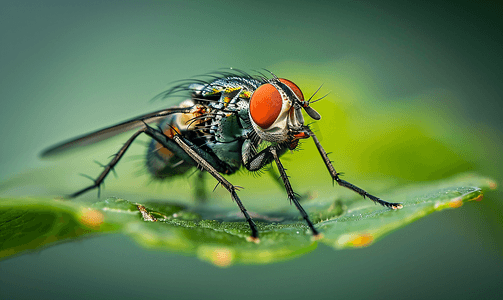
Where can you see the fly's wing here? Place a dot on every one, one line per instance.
(184, 85)
(103, 134)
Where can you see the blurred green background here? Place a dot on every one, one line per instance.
(415, 95)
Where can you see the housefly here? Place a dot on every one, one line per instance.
(231, 121)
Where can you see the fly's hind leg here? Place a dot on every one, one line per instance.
(109, 167)
(169, 144)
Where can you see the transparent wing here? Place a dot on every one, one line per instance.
(103, 134)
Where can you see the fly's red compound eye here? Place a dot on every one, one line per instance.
(294, 88)
(265, 105)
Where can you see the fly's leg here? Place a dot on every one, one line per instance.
(291, 194)
(265, 157)
(200, 187)
(205, 162)
(109, 167)
(275, 177)
(169, 144)
(184, 149)
(343, 183)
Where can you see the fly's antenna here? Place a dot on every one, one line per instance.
(314, 101)
(309, 100)
(308, 109)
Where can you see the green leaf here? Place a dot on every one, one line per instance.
(219, 235)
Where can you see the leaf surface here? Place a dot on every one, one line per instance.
(218, 235)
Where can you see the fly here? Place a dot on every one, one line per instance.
(219, 129)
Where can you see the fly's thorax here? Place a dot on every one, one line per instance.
(275, 112)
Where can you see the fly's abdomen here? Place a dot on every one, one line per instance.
(163, 162)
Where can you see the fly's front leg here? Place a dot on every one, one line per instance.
(343, 183)
(291, 195)
(265, 157)
(203, 160)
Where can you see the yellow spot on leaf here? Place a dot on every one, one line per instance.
(493, 185)
(221, 257)
(479, 197)
(92, 218)
(312, 195)
(362, 240)
(317, 237)
(455, 203)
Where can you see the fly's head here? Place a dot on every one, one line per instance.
(276, 112)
